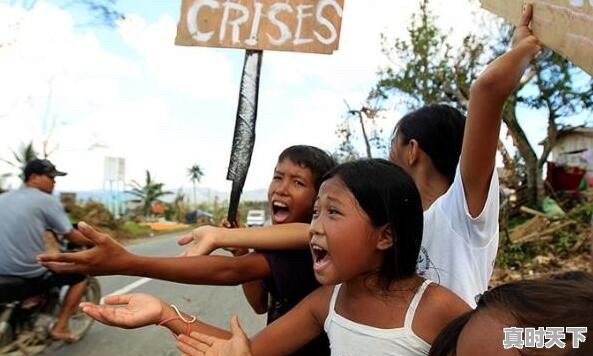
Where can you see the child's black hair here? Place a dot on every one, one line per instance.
(317, 160)
(389, 197)
(438, 128)
(565, 300)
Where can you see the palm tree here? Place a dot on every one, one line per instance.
(25, 154)
(3, 176)
(148, 193)
(195, 174)
(179, 206)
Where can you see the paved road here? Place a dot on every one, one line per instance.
(214, 305)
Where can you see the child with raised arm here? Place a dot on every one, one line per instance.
(365, 238)
(452, 162)
(274, 281)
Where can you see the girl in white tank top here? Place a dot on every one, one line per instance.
(352, 338)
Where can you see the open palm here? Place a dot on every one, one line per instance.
(203, 239)
(126, 311)
(200, 344)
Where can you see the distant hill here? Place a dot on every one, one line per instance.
(202, 195)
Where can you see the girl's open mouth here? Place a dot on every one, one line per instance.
(320, 257)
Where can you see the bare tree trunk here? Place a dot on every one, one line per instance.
(549, 142)
(364, 134)
(195, 198)
(533, 169)
(508, 161)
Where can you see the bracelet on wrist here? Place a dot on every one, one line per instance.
(179, 316)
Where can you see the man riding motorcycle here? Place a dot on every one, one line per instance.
(24, 216)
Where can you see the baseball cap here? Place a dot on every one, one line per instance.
(41, 166)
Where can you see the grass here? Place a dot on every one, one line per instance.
(135, 230)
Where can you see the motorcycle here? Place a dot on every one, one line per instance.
(27, 315)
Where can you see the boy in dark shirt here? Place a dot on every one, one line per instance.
(273, 281)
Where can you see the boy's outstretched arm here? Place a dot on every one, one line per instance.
(276, 237)
(487, 98)
(109, 257)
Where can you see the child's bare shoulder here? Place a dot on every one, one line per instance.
(440, 300)
(438, 307)
(319, 301)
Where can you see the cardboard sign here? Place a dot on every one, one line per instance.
(284, 25)
(566, 26)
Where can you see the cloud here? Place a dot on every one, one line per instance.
(134, 94)
(203, 73)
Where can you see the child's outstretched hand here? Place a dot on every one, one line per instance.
(201, 344)
(106, 257)
(523, 36)
(127, 311)
(236, 251)
(203, 238)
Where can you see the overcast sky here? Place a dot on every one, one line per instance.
(129, 92)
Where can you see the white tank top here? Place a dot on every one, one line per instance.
(348, 338)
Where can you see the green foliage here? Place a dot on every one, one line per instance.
(24, 154)
(569, 241)
(219, 211)
(346, 151)
(515, 256)
(179, 208)
(562, 88)
(583, 213)
(195, 174)
(424, 68)
(148, 193)
(92, 212)
(563, 240)
(3, 176)
(134, 229)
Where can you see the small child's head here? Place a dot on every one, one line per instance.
(566, 301)
(367, 220)
(435, 129)
(296, 179)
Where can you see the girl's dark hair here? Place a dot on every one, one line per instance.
(445, 343)
(390, 198)
(536, 303)
(313, 158)
(578, 276)
(438, 128)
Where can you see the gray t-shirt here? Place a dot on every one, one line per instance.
(24, 215)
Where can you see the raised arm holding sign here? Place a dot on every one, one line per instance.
(566, 26)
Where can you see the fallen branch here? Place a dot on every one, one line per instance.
(544, 235)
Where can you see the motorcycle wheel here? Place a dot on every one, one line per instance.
(80, 323)
(6, 336)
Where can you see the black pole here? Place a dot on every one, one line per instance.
(244, 135)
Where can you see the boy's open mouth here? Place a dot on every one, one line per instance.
(280, 211)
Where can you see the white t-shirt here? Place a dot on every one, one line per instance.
(458, 251)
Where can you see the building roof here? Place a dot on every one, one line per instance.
(572, 130)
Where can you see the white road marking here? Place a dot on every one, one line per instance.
(130, 287)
